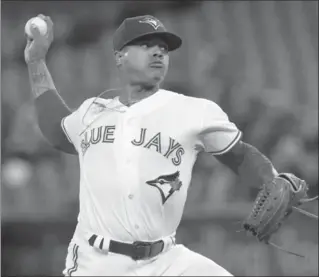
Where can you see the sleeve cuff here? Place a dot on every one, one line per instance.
(65, 131)
(230, 145)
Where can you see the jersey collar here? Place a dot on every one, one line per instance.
(147, 104)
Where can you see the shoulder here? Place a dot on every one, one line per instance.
(92, 104)
(194, 102)
(91, 101)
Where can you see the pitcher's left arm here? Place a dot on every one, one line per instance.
(221, 137)
(248, 163)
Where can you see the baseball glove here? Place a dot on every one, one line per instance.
(274, 203)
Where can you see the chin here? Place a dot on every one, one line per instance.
(157, 78)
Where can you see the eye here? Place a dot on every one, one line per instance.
(164, 48)
(144, 44)
(161, 181)
(148, 44)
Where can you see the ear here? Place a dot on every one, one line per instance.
(119, 55)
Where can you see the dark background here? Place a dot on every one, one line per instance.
(257, 60)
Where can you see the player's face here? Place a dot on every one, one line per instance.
(146, 61)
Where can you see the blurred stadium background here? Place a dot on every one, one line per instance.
(258, 60)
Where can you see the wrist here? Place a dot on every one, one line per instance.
(256, 166)
(40, 77)
(35, 62)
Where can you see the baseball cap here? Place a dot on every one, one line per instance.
(133, 28)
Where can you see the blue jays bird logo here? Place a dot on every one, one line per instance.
(166, 184)
(151, 21)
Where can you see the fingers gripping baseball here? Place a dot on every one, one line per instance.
(49, 23)
(38, 43)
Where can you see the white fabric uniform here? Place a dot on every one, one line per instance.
(135, 166)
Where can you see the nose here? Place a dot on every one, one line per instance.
(158, 53)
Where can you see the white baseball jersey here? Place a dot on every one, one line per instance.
(136, 162)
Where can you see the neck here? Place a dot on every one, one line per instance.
(135, 93)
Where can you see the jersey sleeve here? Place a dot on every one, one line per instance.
(73, 124)
(217, 135)
(70, 126)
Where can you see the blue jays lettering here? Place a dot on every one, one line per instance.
(167, 146)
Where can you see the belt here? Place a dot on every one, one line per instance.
(137, 250)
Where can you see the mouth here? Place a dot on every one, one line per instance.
(157, 64)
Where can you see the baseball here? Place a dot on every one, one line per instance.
(38, 23)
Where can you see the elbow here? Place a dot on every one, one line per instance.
(234, 158)
(50, 111)
(53, 134)
(47, 127)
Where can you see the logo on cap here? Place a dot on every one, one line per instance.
(151, 21)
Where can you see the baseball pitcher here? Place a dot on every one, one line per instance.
(136, 153)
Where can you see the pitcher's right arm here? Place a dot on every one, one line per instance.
(50, 107)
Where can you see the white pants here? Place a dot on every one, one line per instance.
(178, 260)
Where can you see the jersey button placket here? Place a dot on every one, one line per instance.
(129, 171)
(130, 120)
(128, 135)
(129, 165)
